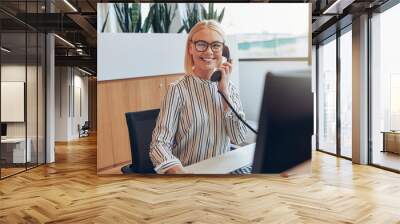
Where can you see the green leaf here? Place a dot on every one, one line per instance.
(210, 10)
(134, 16)
(203, 12)
(183, 27)
(149, 20)
(125, 8)
(159, 18)
(105, 22)
(138, 27)
(221, 16)
(119, 16)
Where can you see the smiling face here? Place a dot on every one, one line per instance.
(206, 62)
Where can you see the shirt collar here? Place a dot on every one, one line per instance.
(200, 80)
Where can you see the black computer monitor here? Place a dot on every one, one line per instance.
(285, 123)
(3, 129)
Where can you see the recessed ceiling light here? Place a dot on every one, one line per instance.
(338, 6)
(64, 40)
(5, 50)
(70, 5)
(84, 71)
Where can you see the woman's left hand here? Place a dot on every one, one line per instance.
(223, 84)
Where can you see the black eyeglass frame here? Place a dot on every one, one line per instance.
(208, 45)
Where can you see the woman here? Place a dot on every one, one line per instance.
(195, 123)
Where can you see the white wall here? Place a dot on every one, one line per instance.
(80, 83)
(33, 125)
(17, 73)
(12, 101)
(130, 55)
(68, 81)
(251, 82)
(61, 103)
(14, 73)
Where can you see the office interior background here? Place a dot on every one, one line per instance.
(73, 50)
(49, 86)
(38, 107)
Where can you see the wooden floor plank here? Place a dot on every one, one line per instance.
(70, 191)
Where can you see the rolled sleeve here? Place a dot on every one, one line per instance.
(164, 166)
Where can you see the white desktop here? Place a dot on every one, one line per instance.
(225, 163)
(17, 145)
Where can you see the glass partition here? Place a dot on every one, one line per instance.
(327, 96)
(385, 89)
(22, 88)
(41, 87)
(13, 95)
(31, 100)
(346, 94)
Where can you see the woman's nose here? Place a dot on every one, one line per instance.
(208, 50)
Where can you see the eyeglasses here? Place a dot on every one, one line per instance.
(202, 45)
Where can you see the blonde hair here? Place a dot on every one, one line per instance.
(204, 24)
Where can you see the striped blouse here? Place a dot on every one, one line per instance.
(192, 125)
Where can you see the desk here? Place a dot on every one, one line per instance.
(226, 163)
(391, 141)
(13, 150)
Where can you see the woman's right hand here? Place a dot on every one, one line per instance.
(177, 169)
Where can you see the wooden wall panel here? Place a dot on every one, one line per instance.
(115, 98)
(146, 93)
(92, 109)
(105, 156)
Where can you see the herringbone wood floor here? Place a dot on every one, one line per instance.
(69, 191)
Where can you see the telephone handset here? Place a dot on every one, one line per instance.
(226, 57)
(216, 77)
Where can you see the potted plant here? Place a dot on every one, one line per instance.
(197, 13)
(128, 16)
(160, 17)
(193, 16)
(211, 13)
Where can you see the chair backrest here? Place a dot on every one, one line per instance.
(140, 127)
(86, 124)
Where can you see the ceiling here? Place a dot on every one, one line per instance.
(76, 23)
(330, 16)
(78, 27)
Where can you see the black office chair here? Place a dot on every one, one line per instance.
(84, 129)
(140, 127)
